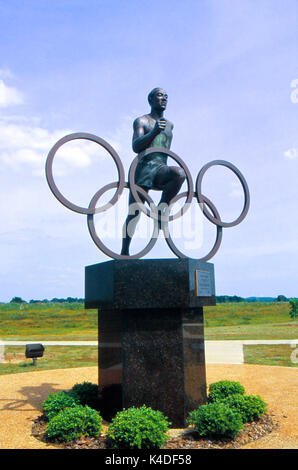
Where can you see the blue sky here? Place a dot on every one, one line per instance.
(229, 68)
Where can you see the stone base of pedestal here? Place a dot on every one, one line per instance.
(164, 361)
(153, 347)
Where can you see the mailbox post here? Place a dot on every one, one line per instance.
(34, 351)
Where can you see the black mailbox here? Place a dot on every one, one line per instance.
(34, 350)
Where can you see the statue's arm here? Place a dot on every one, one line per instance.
(142, 138)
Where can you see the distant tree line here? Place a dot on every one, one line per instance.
(221, 299)
(69, 300)
(228, 298)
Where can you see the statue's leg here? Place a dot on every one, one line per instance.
(130, 223)
(170, 180)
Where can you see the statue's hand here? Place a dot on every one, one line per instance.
(160, 126)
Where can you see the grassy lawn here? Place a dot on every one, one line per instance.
(52, 321)
(247, 313)
(55, 357)
(270, 355)
(58, 321)
(65, 357)
(262, 331)
(249, 320)
(70, 321)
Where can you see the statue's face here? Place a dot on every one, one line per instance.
(159, 99)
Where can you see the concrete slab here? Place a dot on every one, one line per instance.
(224, 352)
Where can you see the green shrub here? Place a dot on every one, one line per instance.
(216, 420)
(249, 406)
(138, 428)
(72, 423)
(85, 393)
(56, 402)
(224, 388)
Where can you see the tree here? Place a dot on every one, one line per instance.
(17, 300)
(293, 308)
(281, 298)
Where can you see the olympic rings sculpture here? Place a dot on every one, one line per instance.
(120, 185)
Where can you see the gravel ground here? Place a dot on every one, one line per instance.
(21, 396)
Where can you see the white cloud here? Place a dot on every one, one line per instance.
(22, 144)
(77, 154)
(23, 136)
(6, 73)
(9, 95)
(25, 144)
(291, 153)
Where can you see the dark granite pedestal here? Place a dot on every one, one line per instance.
(151, 335)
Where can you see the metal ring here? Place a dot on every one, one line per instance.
(59, 195)
(173, 247)
(135, 188)
(216, 219)
(100, 244)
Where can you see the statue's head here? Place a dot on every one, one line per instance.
(158, 98)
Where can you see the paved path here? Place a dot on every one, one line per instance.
(21, 397)
(231, 352)
(216, 352)
(94, 343)
(50, 343)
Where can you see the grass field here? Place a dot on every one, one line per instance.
(58, 321)
(53, 321)
(65, 357)
(249, 320)
(263, 331)
(70, 321)
(270, 355)
(55, 357)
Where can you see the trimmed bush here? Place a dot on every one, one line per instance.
(85, 393)
(224, 388)
(56, 402)
(138, 428)
(72, 423)
(250, 407)
(216, 420)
